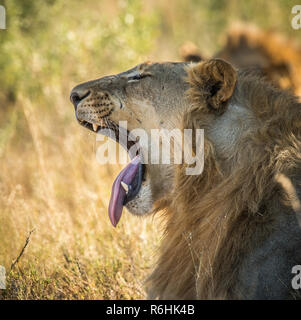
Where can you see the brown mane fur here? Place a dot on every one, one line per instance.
(214, 219)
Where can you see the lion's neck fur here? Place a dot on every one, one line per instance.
(229, 128)
(216, 218)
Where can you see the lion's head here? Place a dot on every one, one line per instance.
(216, 218)
(149, 96)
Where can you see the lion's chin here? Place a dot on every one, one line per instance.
(142, 204)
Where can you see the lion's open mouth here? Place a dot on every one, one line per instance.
(128, 182)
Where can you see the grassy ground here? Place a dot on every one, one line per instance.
(53, 193)
(52, 184)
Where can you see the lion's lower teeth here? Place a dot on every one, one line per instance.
(95, 127)
(125, 186)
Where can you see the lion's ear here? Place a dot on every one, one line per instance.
(212, 82)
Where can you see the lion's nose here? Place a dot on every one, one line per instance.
(76, 97)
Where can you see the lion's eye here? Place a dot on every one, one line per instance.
(138, 76)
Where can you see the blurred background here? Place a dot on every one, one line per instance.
(50, 181)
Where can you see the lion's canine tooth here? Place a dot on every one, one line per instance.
(125, 186)
(102, 123)
(95, 126)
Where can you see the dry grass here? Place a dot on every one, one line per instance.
(51, 182)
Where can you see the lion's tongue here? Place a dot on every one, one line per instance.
(118, 194)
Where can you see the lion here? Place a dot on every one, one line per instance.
(266, 52)
(232, 231)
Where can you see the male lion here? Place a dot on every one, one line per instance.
(233, 231)
(268, 53)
